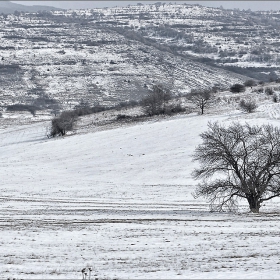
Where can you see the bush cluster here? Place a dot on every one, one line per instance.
(174, 109)
(23, 107)
(259, 90)
(122, 117)
(249, 83)
(131, 103)
(45, 102)
(248, 106)
(65, 122)
(269, 91)
(156, 101)
(236, 88)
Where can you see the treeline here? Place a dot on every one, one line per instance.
(156, 102)
(159, 101)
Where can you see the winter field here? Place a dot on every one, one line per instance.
(119, 200)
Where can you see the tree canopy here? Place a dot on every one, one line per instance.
(238, 162)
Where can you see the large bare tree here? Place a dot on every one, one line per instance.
(238, 162)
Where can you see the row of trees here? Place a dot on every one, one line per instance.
(158, 101)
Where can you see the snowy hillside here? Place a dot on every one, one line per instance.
(104, 56)
(119, 200)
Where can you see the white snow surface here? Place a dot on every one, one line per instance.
(120, 201)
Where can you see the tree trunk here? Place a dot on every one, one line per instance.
(202, 109)
(254, 203)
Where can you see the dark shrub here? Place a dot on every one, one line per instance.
(236, 88)
(174, 109)
(260, 90)
(97, 109)
(269, 91)
(122, 117)
(83, 111)
(45, 102)
(131, 103)
(65, 122)
(23, 107)
(123, 104)
(249, 83)
(155, 102)
(247, 106)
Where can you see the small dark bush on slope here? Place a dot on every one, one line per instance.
(250, 83)
(236, 88)
(23, 107)
(269, 91)
(65, 122)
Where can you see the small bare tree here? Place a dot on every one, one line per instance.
(245, 161)
(202, 99)
(156, 101)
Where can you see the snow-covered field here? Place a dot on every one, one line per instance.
(120, 201)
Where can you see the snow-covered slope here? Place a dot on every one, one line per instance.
(120, 201)
(98, 56)
(116, 54)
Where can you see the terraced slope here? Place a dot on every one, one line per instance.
(73, 60)
(116, 54)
